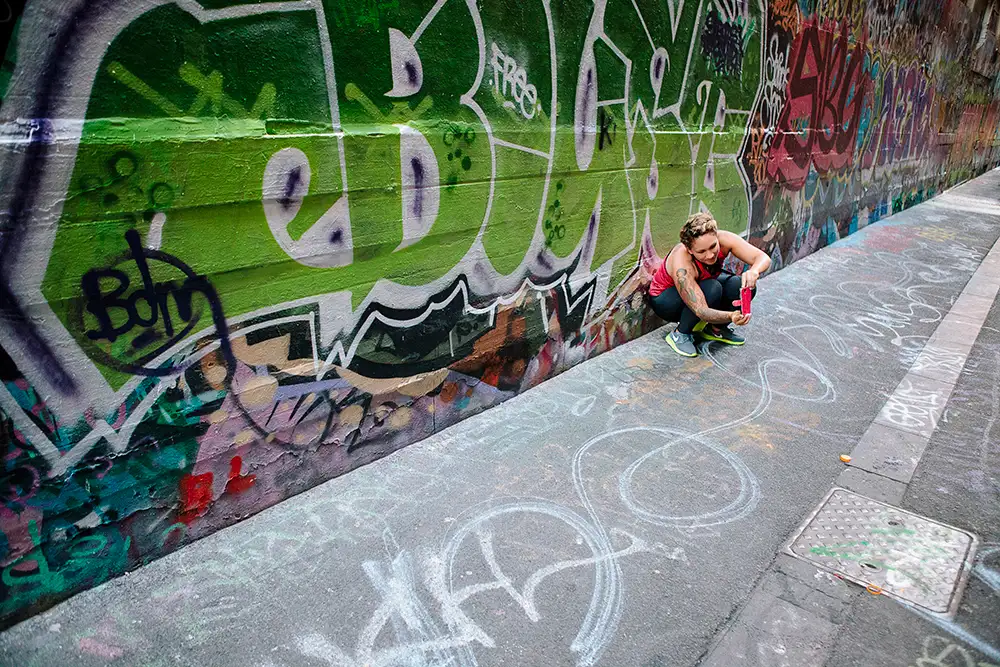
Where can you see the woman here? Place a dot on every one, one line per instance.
(691, 288)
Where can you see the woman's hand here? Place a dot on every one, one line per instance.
(749, 278)
(738, 318)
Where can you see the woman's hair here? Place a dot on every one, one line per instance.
(699, 224)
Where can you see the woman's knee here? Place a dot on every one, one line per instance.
(664, 307)
(660, 311)
(734, 286)
(712, 289)
(731, 287)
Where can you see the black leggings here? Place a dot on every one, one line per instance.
(719, 294)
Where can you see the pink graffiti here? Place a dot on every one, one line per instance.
(845, 108)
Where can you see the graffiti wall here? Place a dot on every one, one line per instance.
(249, 246)
(865, 109)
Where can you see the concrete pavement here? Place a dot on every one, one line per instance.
(932, 450)
(630, 511)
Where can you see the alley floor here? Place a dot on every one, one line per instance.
(633, 511)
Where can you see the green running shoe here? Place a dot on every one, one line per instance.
(722, 335)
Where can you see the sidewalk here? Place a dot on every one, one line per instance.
(630, 512)
(933, 451)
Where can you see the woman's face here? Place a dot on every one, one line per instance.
(705, 248)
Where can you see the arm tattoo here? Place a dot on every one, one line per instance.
(692, 295)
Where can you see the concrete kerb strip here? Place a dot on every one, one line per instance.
(895, 441)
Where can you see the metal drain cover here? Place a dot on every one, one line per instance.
(888, 550)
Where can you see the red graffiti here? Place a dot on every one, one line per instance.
(196, 490)
(826, 89)
(846, 108)
(975, 135)
(238, 483)
(196, 496)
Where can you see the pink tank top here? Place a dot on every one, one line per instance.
(662, 280)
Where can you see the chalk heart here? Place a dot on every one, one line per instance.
(328, 242)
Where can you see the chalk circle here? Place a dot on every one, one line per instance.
(745, 501)
(829, 394)
(765, 368)
(605, 609)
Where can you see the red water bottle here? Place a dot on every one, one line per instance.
(745, 300)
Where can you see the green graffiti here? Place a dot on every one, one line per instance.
(49, 568)
(8, 63)
(228, 149)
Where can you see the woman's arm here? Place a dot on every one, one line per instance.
(757, 259)
(686, 280)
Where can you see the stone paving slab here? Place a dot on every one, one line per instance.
(889, 452)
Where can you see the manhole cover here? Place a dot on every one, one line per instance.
(887, 550)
